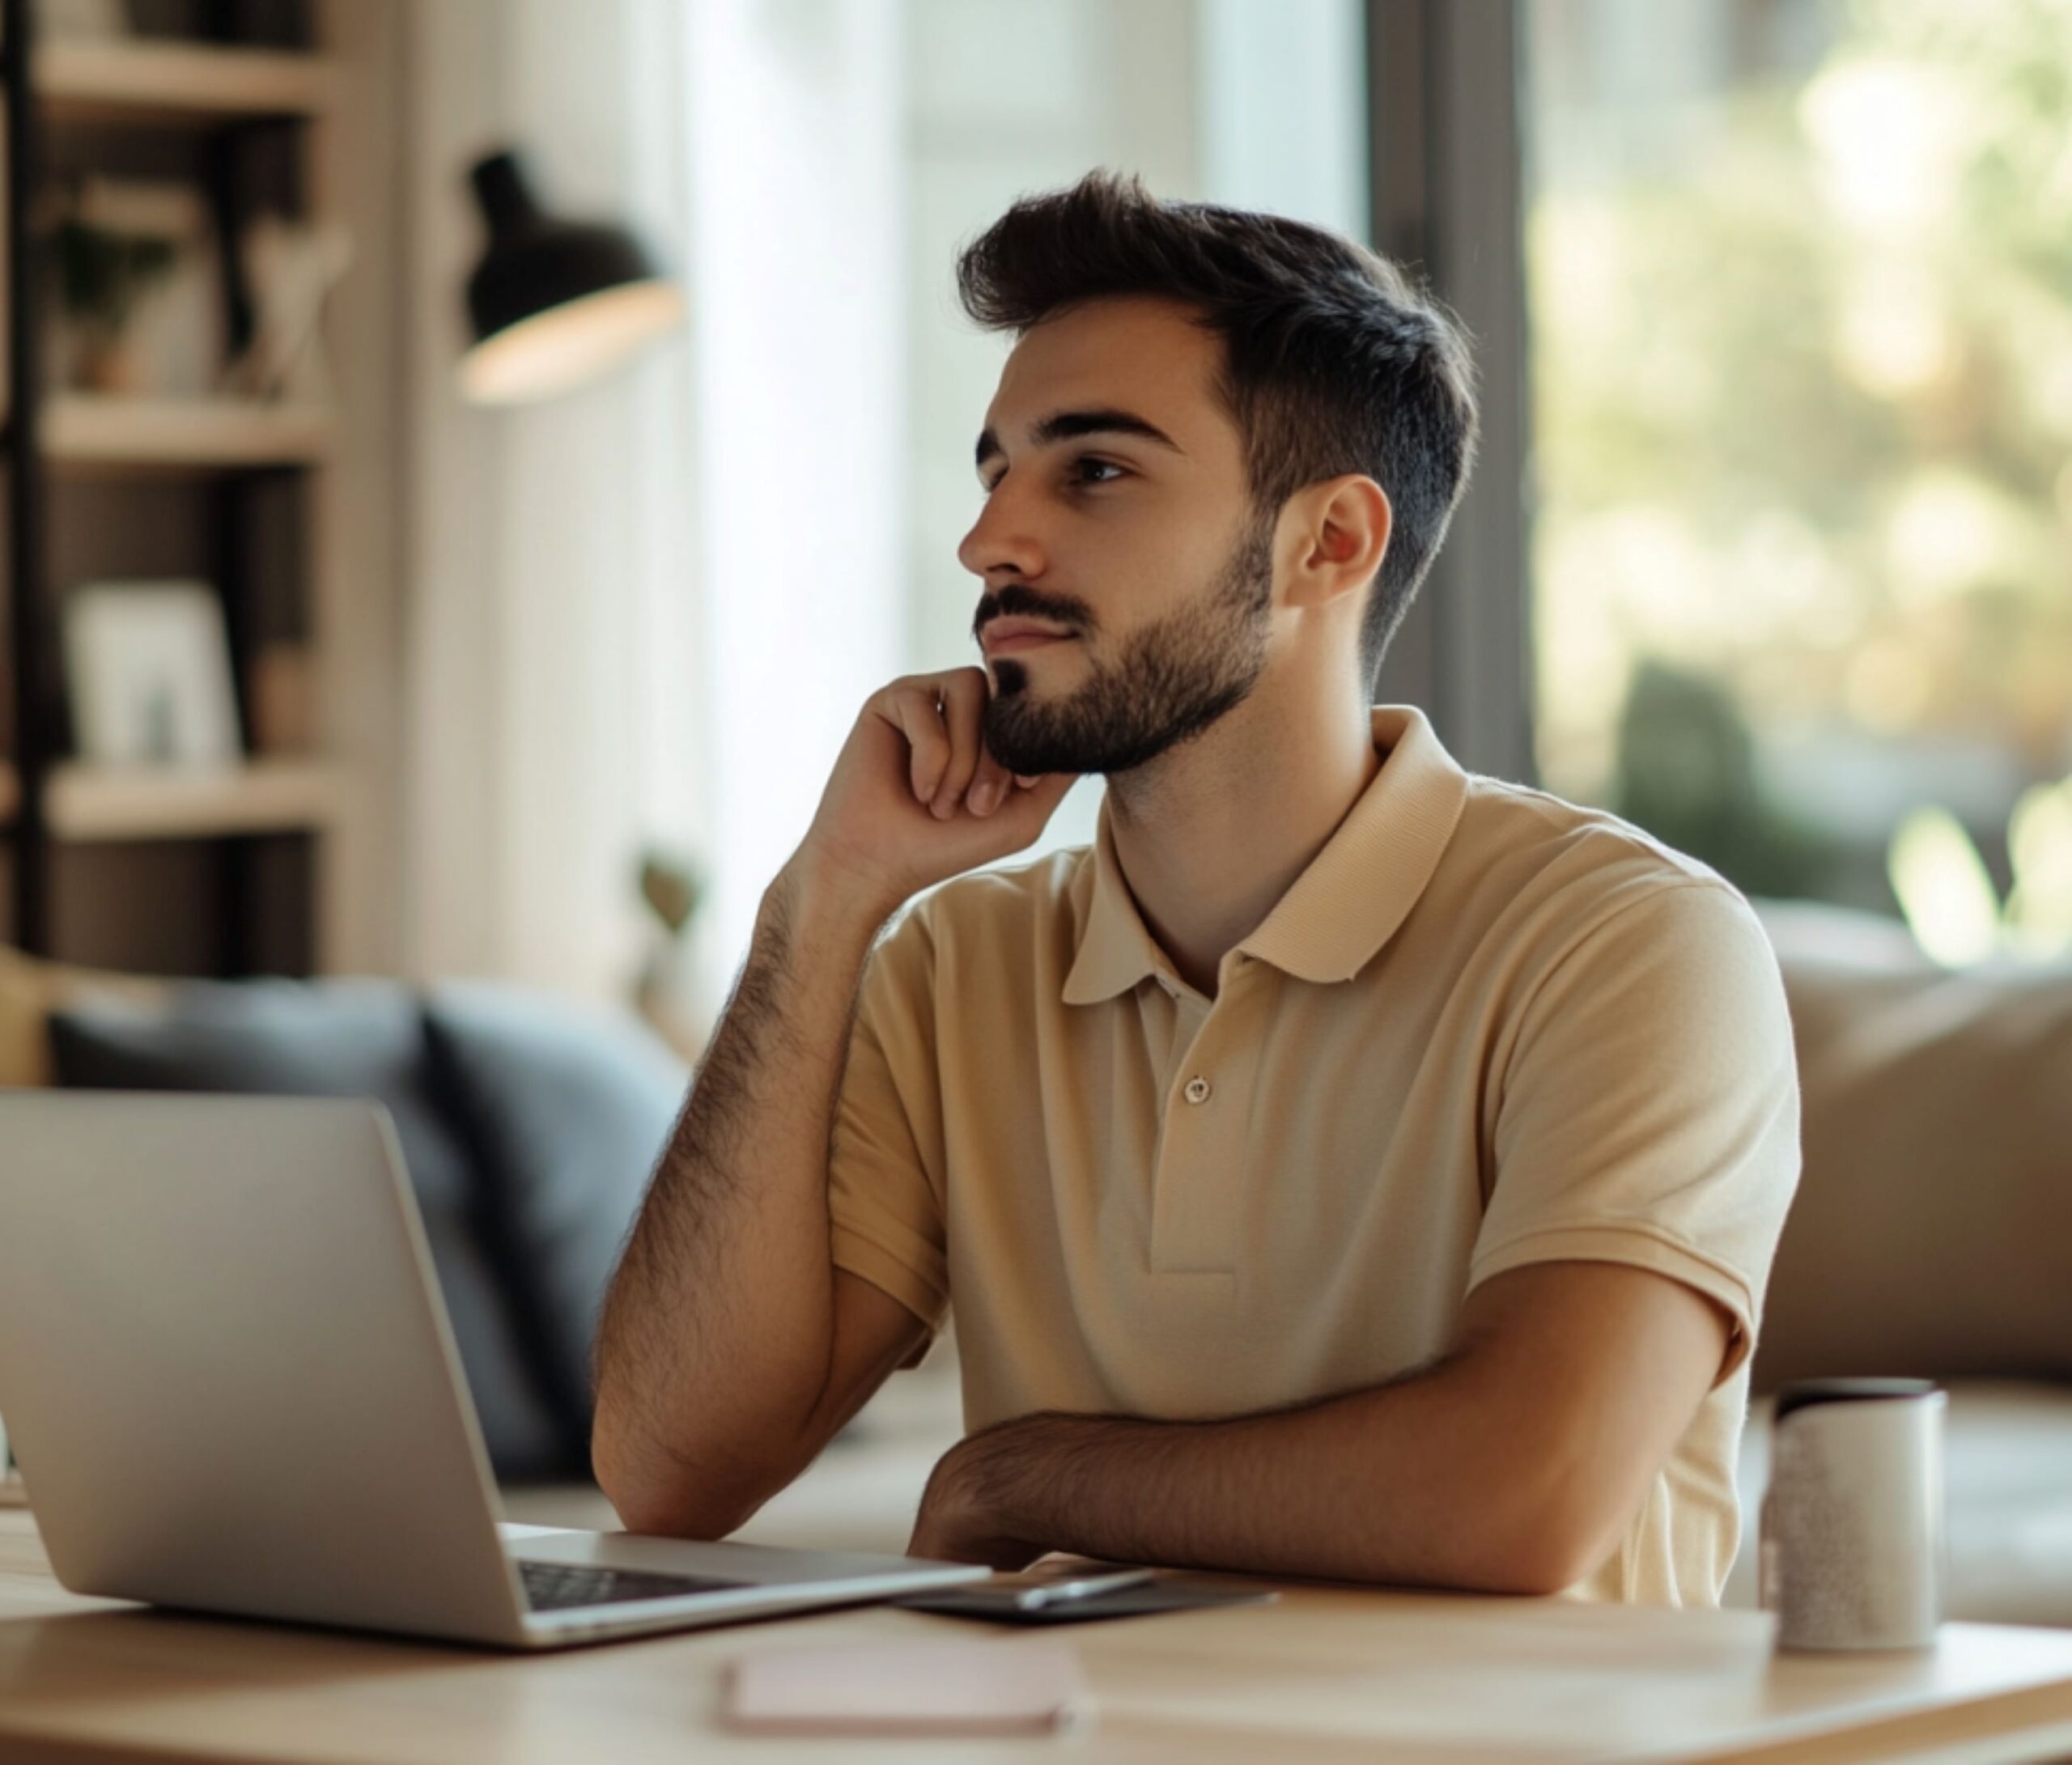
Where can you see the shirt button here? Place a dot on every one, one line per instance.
(1197, 1090)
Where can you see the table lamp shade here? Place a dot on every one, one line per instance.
(553, 303)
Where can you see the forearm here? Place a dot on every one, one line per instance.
(1425, 1482)
(715, 1342)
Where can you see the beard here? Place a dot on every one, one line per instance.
(1172, 680)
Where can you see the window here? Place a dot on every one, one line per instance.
(1799, 286)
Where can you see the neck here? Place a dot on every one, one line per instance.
(1213, 834)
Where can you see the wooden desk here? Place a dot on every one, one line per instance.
(1324, 1675)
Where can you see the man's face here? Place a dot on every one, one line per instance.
(1119, 520)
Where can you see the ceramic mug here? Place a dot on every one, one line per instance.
(1852, 1529)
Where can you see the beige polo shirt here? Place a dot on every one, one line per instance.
(1484, 1028)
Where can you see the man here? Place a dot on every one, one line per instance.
(1347, 1167)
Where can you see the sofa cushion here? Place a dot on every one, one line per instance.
(31, 990)
(565, 1111)
(341, 1038)
(1932, 1231)
(2008, 1461)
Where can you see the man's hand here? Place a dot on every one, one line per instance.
(915, 799)
(961, 1518)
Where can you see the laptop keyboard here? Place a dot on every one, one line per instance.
(553, 1587)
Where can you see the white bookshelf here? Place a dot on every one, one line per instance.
(345, 102)
(82, 433)
(90, 803)
(156, 84)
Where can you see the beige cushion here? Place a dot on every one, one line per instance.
(1932, 1233)
(2008, 1452)
(30, 991)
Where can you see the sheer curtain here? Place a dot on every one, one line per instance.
(647, 613)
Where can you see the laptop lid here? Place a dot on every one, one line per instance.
(226, 1370)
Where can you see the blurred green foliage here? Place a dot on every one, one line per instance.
(1686, 773)
(1803, 409)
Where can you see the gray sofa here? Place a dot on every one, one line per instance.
(529, 1127)
(1932, 1235)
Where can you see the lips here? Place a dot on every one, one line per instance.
(1029, 640)
(1002, 636)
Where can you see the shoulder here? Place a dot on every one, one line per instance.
(1554, 834)
(1575, 869)
(1556, 895)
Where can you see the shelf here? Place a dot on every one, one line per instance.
(85, 803)
(161, 84)
(82, 433)
(153, 856)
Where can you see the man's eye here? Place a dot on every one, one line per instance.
(1080, 466)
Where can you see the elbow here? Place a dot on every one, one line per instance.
(699, 1479)
(668, 1504)
(660, 1492)
(1529, 1528)
(1551, 1543)
(1524, 1562)
(667, 1514)
(680, 1487)
(1537, 1567)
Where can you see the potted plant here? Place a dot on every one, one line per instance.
(99, 275)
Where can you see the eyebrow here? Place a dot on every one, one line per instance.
(1068, 425)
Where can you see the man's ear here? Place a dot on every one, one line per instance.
(1344, 524)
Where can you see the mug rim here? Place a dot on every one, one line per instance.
(1803, 1393)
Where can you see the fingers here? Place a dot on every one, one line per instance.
(912, 705)
(943, 718)
(991, 784)
(963, 718)
(1037, 798)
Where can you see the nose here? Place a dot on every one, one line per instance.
(1002, 539)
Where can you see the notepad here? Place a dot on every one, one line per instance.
(1026, 1686)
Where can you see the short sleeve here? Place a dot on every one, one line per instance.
(885, 1156)
(1648, 1111)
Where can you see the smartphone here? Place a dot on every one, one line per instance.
(1074, 1590)
(1052, 1584)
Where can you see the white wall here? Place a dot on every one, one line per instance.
(1283, 123)
(799, 218)
(652, 611)
(551, 545)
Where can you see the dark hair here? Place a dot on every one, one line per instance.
(1334, 362)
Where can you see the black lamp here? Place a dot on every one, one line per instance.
(554, 303)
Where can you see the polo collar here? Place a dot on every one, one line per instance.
(1339, 913)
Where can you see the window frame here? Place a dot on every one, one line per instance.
(1446, 184)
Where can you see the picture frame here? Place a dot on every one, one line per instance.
(149, 669)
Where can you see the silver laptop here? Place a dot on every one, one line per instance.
(232, 1386)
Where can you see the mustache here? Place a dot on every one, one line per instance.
(1017, 602)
